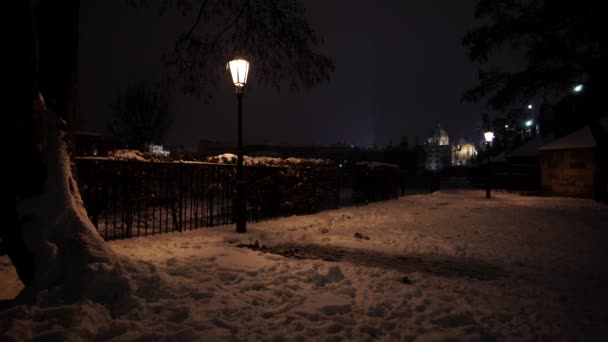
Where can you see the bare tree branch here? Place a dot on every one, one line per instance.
(188, 34)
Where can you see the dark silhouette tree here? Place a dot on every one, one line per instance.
(560, 40)
(273, 35)
(564, 44)
(53, 244)
(141, 114)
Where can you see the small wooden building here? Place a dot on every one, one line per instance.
(571, 165)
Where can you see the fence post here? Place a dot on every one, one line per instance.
(338, 187)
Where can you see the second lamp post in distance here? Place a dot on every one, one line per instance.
(489, 136)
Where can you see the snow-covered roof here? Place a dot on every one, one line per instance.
(582, 138)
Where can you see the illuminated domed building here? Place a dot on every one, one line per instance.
(439, 137)
(438, 151)
(463, 153)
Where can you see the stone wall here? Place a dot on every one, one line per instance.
(568, 172)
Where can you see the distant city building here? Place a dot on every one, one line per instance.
(158, 150)
(438, 150)
(439, 137)
(463, 153)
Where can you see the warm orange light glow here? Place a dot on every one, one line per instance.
(238, 69)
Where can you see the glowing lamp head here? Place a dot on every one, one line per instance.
(238, 69)
(489, 136)
(528, 123)
(530, 106)
(577, 88)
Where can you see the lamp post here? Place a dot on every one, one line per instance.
(489, 136)
(238, 69)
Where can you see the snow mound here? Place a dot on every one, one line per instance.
(127, 155)
(72, 262)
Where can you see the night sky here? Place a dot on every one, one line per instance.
(400, 69)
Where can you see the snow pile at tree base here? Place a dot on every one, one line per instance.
(72, 262)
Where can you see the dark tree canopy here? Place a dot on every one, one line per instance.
(273, 35)
(561, 42)
(141, 114)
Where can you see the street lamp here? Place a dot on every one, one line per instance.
(238, 69)
(489, 136)
(577, 88)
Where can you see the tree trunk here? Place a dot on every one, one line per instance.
(53, 244)
(31, 141)
(57, 28)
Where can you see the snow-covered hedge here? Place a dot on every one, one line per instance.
(225, 158)
(229, 158)
(124, 154)
(275, 186)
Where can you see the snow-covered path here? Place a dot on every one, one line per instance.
(424, 267)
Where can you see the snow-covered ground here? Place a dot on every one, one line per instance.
(448, 265)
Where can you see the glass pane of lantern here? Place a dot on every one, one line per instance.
(239, 69)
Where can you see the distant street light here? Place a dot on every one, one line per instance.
(577, 89)
(529, 123)
(530, 106)
(238, 69)
(489, 136)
